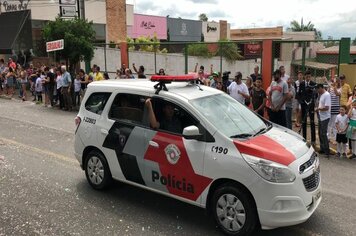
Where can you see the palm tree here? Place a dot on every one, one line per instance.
(296, 27)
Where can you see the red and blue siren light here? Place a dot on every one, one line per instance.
(173, 78)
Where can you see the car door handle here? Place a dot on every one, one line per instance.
(153, 144)
(104, 131)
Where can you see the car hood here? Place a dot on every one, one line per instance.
(278, 145)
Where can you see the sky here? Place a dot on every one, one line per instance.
(333, 18)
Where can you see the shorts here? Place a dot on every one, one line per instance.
(341, 138)
(10, 82)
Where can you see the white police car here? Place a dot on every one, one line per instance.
(200, 146)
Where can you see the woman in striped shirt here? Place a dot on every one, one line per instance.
(335, 91)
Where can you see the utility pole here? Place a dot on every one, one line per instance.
(81, 9)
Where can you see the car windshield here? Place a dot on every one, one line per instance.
(229, 116)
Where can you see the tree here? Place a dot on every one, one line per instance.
(78, 35)
(145, 44)
(199, 50)
(354, 42)
(296, 27)
(203, 17)
(229, 50)
(331, 43)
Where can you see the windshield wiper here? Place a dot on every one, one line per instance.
(241, 136)
(261, 131)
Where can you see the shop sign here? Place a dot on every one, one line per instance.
(9, 6)
(55, 45)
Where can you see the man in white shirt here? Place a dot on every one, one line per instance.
(238, 90)
(284, 76)
(324, 114)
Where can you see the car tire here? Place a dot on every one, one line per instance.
(97, 170)
(234, 211)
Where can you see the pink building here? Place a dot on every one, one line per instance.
(146, 25)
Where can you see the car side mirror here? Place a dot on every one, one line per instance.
(192, 132)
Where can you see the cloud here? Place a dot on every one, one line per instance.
(143, 6)
(217, 14)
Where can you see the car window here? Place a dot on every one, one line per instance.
(172, 117)
(96, 102)
(128, 108)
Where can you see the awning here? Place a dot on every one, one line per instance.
(315, 65)
(16, 31)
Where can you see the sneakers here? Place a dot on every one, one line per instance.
(338, 155)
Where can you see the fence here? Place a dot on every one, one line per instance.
(320, 57)
(182, 58)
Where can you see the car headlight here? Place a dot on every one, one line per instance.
(269, 170)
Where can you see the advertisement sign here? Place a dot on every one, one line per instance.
(182, 30)
(211, 31)
(252, 49)
(55, 45)
(145, 25)
(68, 11)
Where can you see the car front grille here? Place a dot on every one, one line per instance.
(312, 182)
(308, 164)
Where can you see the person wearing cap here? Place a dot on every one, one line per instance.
(324, 114)
(215, 79)
(278, 96)
(238, 90)
(345, 91)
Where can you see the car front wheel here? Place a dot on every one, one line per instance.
(234, 211)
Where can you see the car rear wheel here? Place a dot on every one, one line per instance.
(97, 170)
(234, 211)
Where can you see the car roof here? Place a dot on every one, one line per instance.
(177, 89)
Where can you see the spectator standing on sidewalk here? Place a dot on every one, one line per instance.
(255, 74)
(10, 76)
(284, 76)
(39, 87)
(84, 81)
(289, 103)
(249, 84)
(238, 90)
(352, 128)
(98, 75)
(335, 91)
(307, 95)
(278, 96)
(324, 108)
(140, 72)
(77, 88)
(23, 82)
(66, 86)
(258, 97)
(201, 68)
(341, 123)
(59, 83)
(345, 91)
(298, 102)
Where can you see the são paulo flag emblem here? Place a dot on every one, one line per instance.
(172, 153)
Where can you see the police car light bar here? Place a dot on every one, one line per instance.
(173, 78)
(167, 79)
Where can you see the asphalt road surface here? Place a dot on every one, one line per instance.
(43, 191)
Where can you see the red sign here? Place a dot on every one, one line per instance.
(55, 45)
(252, 49)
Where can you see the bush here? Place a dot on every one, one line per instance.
(199, 50)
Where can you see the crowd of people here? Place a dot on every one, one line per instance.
(334, 103)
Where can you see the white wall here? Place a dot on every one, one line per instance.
(172, 63)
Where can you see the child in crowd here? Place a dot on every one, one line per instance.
(352, 128)
(39, 88)
(77, 88)
(341, 123)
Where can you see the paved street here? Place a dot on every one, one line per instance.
(43, 191)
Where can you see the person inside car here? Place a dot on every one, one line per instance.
(169, 121)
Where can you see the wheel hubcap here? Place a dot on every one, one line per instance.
(231, 213)
(95, 170)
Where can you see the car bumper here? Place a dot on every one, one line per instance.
(280, 205)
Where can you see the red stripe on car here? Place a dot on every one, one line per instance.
(179, 178)
(266, 148)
